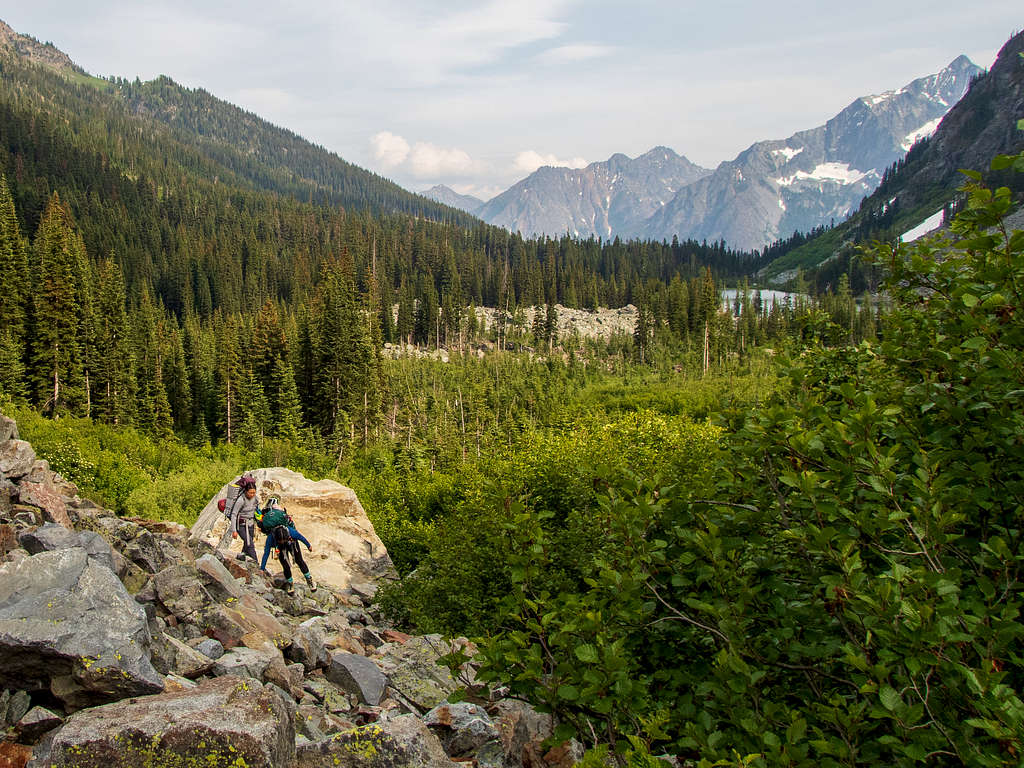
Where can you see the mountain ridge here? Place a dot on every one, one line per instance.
(770, 189)
(600, 199)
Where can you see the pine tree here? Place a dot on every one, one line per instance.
(14, 274)
(254, 418)
(288, 408)
(708, 310)
(114, 366)
(229, 374)
(58, 377)
(346, 373)
(12, 370)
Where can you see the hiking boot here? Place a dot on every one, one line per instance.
(289, 588)
(310, 583)
(240, 556)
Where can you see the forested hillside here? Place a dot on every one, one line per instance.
(163, 267)
(751, 533)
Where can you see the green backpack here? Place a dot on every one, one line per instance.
(273, 517)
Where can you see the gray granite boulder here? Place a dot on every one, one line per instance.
(223, 722)
(463, 728)
(308, 645)
(180, 591)
(218, 580)
(51, 537)
(36, 722)
(358, 675)
(16, 459)
(67, 624)
(413, 670)
(402, 742)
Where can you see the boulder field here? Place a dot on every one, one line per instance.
(131, 643)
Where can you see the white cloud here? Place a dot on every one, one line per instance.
(422, 159)
(529, 161)
(429, 44)
(581, 52)
(428, 160)
(390, 150)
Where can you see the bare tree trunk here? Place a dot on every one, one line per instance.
(462, 419)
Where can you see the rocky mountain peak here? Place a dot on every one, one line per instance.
(29, 48)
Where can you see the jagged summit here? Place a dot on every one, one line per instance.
(769, 190)
(603, 199)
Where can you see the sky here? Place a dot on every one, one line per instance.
(477, 95)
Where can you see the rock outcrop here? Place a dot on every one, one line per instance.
(136, 643)
(347, 553)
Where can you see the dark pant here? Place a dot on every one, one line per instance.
(245, 530)
(282, 555)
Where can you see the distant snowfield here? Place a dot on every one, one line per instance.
(787, 152)
(932, 222)
(924, 131)
(841, 172)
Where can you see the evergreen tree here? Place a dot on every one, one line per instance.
(14, 276)
(114, 365)
(58, 377)
(12, 370)
(254, 419)
(288, 408)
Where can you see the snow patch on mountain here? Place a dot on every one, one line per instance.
(787, 152)
(840, 172)
(923, 132)
(932, 222)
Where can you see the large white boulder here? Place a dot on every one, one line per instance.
(347, 553)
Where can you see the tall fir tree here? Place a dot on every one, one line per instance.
(114, 363)
(14, 274)
(58, 373)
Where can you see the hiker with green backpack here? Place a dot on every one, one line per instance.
(281, 533)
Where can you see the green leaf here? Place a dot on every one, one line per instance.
(568, 692)
(889, 698)
(586, 653)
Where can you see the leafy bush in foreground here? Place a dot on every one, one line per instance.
(851, 593)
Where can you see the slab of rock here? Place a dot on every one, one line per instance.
(463, 727)
(48, 499)
(68, 624)
(243, 662)
(180, 591)
(402, 742)
(308, 647)
(210, 648)
(8, 429)
(216, 622)
(412, 669)
(15, 706)
(35, 723)
(254, 615)
(219, 582)
(8, 539)
(16, 459)
(224, 722)
(523, 731)
(51, 537)
(345, 546)
(183, 660)
(358, 675)
(174, 682)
